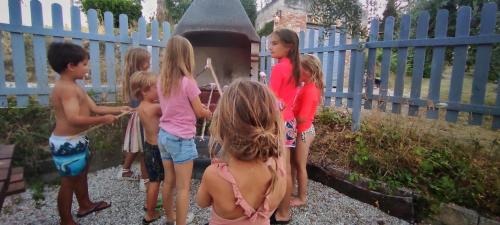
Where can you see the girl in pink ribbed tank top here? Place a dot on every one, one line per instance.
(247, 181)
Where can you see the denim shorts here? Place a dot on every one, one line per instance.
(177, 149)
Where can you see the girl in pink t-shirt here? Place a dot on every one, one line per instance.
(284, 82)
(180, 105)
(247, 182)
(305, 109)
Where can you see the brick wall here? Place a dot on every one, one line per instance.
(292, 20)
(293, 15)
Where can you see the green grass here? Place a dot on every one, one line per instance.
(490, 95)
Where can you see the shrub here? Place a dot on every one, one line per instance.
(132, 8)
(442, 162)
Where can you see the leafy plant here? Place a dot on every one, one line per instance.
(267, 29)
(28, 128)
(330, 12)
(327, 116)
(439, 161)
(173, 10)
(362, 154)
(131, 8)
(37, 188)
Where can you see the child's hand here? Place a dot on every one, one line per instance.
(109, 119)
(208, 113)
(124, 109)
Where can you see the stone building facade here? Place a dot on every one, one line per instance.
(291, 14)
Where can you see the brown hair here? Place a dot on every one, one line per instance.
(291, 39)
(178, 61)
(247, 124)
(312, 64)
(141, 80)
(134, 59)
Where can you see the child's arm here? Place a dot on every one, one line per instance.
(308, 106)
(106, 109)
(200, 110)
(71, 108)
(157, 109)
(203, 198)
(275, 80)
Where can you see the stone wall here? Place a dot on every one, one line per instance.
(293, 15)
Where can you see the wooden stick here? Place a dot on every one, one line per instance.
(209, 64)
(96, 127)
(205, 119)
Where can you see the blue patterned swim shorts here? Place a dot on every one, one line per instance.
(70, 153)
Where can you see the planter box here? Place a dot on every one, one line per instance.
(400, 205)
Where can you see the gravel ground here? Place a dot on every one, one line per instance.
(326, 206)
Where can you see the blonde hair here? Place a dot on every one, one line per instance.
(134, 59)
(141, 81)
(312, 64)
(178, 61)
(247, 124)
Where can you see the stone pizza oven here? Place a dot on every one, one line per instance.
(222, 31)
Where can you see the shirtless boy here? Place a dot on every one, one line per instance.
(69, 147)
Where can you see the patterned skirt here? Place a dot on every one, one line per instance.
(134, 135)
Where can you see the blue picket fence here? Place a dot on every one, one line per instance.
(357, 59)
(359, 89)
(124, 38)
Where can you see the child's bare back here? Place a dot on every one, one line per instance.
(149, 113)
(248, 180)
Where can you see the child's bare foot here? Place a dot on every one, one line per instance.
(72, 222)
(95, 207)
(297, 202)
(127, 174)
(170, 221)
(151, 217)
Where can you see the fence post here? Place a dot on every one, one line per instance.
(141, 31)
(155, 51)
(330, 57)
(483, 59)
(76, 28)
(94, 53)
(386, 64)
(437, 64)
(18, 54)
(372, 55)
(268, 63)
(399, 86)
(110, 59)
(459, 62)
(3, 98)
(57, 21)
(352, 68)
(76, 24)
(339, 90)
(40, 54)
(166, 32)
(262, 57)
(359, 70)
(418, 62)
